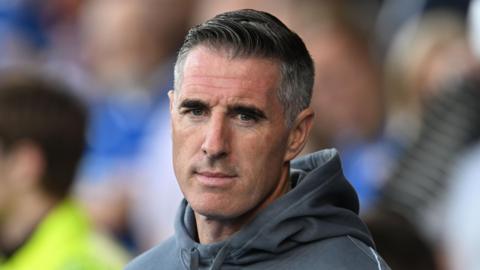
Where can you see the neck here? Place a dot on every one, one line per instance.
(313, 145)
(18, 222)
(212, 230)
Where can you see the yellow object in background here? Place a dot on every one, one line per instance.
(65, 240)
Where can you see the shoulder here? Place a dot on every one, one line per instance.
(343, 252)
(86, 249)
(346, 252)
(164, 255)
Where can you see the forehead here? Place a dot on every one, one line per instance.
(216, 72)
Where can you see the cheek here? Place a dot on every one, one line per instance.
(260, 156)
(183, 148)
(184, 137)
(5, 190)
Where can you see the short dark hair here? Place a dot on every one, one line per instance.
(251, 33)
(43, 112)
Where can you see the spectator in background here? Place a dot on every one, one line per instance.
(460, 233)
(42, 137)
(129, 48)
(347, 75)
(428, 52)
(421, 182)
(432, 66)
(433, 88)
(118, 55)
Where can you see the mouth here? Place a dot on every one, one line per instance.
(215, 179)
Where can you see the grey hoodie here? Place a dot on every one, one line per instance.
(313, 226)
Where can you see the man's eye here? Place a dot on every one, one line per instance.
(246, 117)
(197, 112)
(194, 112)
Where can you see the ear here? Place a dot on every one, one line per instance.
(299, 133)
(26, 165)
(171, 97)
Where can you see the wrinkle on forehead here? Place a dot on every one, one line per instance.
(223, 82)
(206, 69)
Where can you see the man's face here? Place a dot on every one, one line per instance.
(8, 185)
(20, 169)
(229, 134)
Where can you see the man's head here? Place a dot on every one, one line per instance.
(240, 112)
(41, 135)
(254, 34)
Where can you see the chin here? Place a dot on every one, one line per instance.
(213, 211)
(214, 214)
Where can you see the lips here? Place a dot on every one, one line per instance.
(215, 174)
(215, 179)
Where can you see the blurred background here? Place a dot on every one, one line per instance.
(397, 92)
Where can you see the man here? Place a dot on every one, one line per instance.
(240, 114)
(41, 142)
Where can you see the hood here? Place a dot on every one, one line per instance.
(320, 205)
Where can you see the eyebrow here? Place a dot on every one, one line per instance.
(193, 103)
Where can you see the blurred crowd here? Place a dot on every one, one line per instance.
(397, 92)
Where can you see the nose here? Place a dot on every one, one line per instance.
(216, 142)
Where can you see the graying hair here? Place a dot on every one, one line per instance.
(251, 33)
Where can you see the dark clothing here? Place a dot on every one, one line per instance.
(313, 226)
